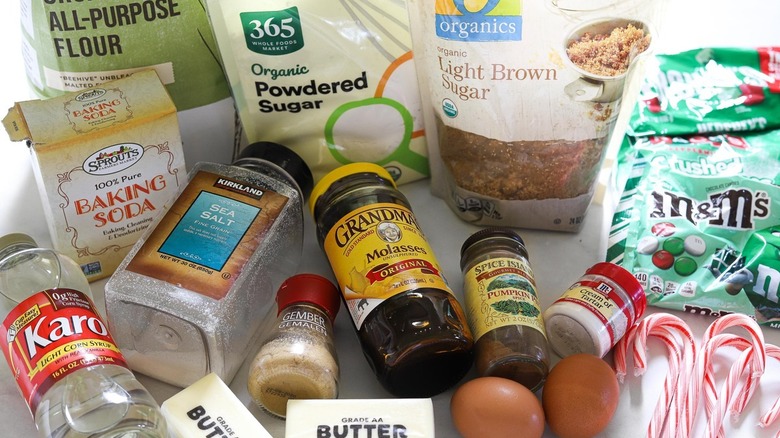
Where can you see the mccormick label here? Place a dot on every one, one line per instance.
(378, 251)
(52, 334)
(209, 234)
(601, 300)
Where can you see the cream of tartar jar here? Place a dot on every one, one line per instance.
(595, 312)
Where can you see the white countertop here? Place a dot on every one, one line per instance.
(557, 259)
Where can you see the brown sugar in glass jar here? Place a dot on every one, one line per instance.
(411, 327)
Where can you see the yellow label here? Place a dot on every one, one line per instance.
(378, 251)
(501, 292)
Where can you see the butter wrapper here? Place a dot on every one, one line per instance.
(105, 160)
(391, 418)
(208, 408)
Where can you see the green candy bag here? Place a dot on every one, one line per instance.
(697, 221)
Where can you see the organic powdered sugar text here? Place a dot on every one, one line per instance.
(271, 95)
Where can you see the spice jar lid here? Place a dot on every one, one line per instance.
(283, 157)
(343, 172)
(488, 233)
(624, 279)
(312, 289)
(491, 232)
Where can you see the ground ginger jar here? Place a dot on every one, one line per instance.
(411, 327)
(298, 359)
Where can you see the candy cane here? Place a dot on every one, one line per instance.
(727, 392)
(673, 400)
(774, 412)
(704, 379)
(621, 351)
(758, 364)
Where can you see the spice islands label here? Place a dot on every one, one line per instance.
(501, 292)
(377, 252)
(479, 20)
(52, 334)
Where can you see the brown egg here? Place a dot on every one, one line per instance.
(580, 396)
(496, 407)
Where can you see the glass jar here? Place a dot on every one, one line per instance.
(503, 308)
(411, 327)
(298, 360)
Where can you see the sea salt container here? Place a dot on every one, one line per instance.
(191, 297)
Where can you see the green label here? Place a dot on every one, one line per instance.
(72, 46)
(273, 32)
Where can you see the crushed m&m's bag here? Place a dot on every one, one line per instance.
(698, 219)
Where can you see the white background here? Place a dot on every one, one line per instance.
(557, 259)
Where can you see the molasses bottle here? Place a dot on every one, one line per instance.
(411, 327)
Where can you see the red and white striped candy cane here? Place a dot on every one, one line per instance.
(774, 412)
(758, 357)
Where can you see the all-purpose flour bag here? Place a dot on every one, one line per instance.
(69, 46)
(335, 81)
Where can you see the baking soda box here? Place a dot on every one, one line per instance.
(106, 160)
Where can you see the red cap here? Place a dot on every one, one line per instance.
(312, 289)
(625, 280)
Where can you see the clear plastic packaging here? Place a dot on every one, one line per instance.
(191, 297)
(66, 364)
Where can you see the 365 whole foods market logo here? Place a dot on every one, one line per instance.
(479, 20)
(273, 32)
(112, 159)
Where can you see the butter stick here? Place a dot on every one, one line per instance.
(375, 418)
(208, 408)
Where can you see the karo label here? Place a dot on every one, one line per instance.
(52, 334)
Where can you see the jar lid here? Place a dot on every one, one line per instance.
(10, 243)
(312, 289)
(15, 239)
(283, 157)
(343, 172)
(489, 233)
(624, 279)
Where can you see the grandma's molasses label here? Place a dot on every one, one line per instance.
(379, 251)
(52, 334)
